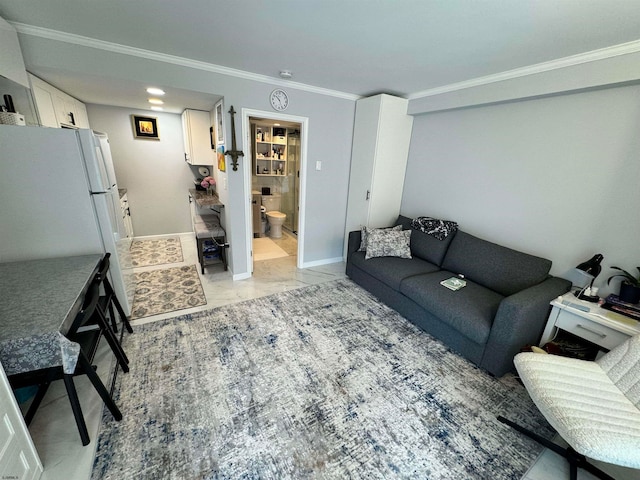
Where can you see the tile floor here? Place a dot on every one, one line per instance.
(53, 429)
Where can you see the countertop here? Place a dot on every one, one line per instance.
(38, 301)
(203, 199)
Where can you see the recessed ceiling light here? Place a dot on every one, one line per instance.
(276, 124)
(155, 91)
(156, 101)
(157, 109)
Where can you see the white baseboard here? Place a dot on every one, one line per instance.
(148, 237)
(241, 276)
(325, 261)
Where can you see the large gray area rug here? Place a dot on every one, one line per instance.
(166, 290)
(156, 251)
(320, 382)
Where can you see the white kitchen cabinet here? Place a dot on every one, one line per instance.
(43, 100)
(64, 106)
(55, 108)
(18, 456)
(196, 131)
(381, 137)
(11, 61)
(82, 118)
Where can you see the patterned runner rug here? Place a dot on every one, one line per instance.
(156, 251)
(319, 382)
(166, 290)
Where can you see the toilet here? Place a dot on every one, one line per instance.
(275, 218)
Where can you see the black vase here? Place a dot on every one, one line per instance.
(629, 293)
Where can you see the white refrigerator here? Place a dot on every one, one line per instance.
(59, 197)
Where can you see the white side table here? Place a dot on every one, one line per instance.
(589, 321)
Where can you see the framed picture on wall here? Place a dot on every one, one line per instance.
(219, 124)
(222, 164)
(145, 127)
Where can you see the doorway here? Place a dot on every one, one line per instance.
(275, 179)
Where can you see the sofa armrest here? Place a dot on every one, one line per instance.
(520, 321)
(354, 243)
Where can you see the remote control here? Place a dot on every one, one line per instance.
(577, 306)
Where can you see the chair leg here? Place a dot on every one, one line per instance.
(113, 342)
(35, 403)
(200, 249)
(77, 410)
(576, 460)
(86, 368)
(123, 317)
(534, 436)
(114, 324)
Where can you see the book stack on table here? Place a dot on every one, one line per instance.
(613, 303)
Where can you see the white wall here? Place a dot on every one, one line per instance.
(329, 140)
(556, 177)
(154, 172)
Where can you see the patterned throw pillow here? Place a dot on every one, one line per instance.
(389, 243)
(365, 234)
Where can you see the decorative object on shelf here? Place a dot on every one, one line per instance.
(270, 149)
(145, 127)
(233, 153)
(630, 286)
(208, 183)
(219, 124)
(222, 164)
(592, 268)
(279, 100)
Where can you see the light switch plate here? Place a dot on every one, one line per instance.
(318, 165)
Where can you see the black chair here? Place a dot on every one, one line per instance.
(99, 320)
(108, 299)
(105, 307)
(88, 340)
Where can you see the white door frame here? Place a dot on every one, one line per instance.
(246, 128)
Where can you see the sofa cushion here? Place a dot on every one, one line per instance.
(388, 243)
(499, 268)
(425, 246)
(364, 235)
(392, 270)
(470, 310)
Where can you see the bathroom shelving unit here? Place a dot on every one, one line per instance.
(270, 152)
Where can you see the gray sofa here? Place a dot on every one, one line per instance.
(503, 307)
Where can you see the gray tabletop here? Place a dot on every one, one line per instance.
(38, 302)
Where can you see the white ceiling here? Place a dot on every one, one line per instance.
(359, 47)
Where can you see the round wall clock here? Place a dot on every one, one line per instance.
(279, 99)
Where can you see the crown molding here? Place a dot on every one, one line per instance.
(565, 62)
(57, 35)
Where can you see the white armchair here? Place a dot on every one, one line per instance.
(594, 406)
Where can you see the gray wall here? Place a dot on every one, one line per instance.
(330, 133)
(153, 172)
(556, 177)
